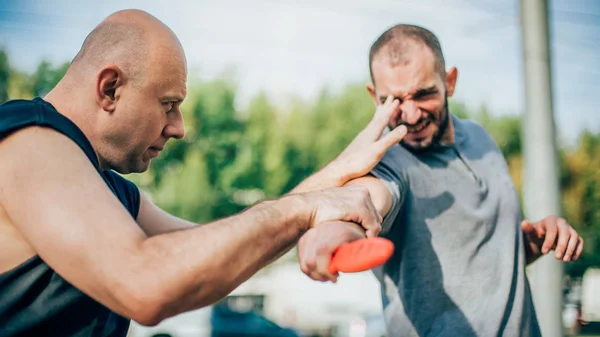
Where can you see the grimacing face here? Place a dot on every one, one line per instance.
(422, 92)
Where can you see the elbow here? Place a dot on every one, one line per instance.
(146, 307)
(150, 305)
(147, 318)
(146, 313)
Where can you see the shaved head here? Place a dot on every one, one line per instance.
(397, 45)
(126, 39)
(123, 89)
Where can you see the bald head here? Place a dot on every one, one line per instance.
(397, 44)
(129, 39)
(124, 88)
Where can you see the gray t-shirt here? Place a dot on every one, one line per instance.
(459, 264)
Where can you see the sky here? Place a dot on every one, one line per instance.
(295, 48)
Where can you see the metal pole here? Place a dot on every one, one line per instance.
(541, 189)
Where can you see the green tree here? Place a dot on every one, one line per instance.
(46, 77)
(5, 72)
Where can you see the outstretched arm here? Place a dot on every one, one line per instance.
(69, 217)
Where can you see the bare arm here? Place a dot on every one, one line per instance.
(79, 228)
(379, 193)
(361, 155)
(356, 161)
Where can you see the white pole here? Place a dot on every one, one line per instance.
(541, 189)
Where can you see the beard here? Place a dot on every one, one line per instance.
(441, 119)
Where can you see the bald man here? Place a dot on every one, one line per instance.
(81, 250)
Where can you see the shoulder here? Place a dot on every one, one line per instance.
(474, 134)
(17, 104)
(397, 159)
(17, 113)
(470, 127)
(393, 169)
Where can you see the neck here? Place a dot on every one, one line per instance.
(448, 136)
(76, 112)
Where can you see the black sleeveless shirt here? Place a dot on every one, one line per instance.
(34, 300)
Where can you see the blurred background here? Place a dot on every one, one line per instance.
(276, 89)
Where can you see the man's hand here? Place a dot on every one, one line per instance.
(316, 247)
(362, 154)
(349, 204)
(552, 233)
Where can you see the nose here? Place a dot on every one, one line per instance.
(410, 112)
(175, 128)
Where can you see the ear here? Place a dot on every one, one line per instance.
(108, 81)
(451, 77)
(373, 93)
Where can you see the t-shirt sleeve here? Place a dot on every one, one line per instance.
(127, 192)
(393, 180)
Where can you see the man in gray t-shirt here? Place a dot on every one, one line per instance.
(449, 205)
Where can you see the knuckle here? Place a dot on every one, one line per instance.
(310, 263)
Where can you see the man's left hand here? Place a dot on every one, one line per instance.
(552, 233)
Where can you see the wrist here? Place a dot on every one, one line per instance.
(334, 176)
(299, 211)
(327, 177)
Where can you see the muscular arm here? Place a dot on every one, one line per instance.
(79, 228)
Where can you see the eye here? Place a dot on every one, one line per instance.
(424, 95)
(168, 105)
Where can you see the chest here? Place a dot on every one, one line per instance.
(467, 187)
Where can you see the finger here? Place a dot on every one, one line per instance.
(382, 116)
(317, 276)
(308, 261)
(370, 219)
(373, 232)
(579, 249)
(323, 267)
(527, 227)
(573, 241)
(550, 229)
(304, 268)
(564, 234)
(392, 138)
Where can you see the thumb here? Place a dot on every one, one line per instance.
(527, 227)
(393, 137)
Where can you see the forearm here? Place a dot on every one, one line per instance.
(322, 179)
(201, 265)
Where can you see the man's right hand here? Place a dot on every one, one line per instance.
(362, 154)
(348, 204)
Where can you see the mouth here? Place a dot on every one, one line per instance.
(418, 127)
(154, 151)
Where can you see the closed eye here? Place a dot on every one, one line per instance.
(425, 93)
